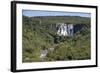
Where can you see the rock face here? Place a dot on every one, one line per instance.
(65, 29)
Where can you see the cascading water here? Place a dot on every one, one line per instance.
(65, 29)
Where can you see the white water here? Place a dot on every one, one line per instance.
(65, 29)
(43, 53)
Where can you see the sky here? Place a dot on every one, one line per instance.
(33, 13)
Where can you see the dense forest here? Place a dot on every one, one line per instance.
(41, 43)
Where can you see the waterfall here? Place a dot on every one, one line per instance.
(65, 29)
(70, 29)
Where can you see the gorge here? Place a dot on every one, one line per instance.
(53, 38)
